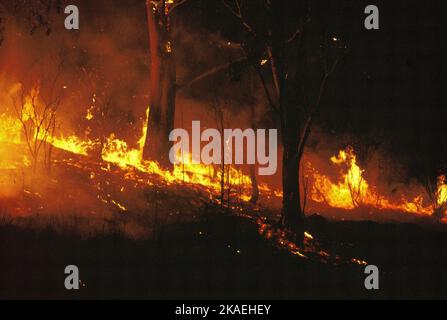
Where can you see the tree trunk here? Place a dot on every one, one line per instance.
(162, 86)
(292, 214)
(254, 185)
(253, 179)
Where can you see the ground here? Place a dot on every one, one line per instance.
(222, 256)
(175, 241)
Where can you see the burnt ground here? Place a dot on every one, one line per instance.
(220, 256)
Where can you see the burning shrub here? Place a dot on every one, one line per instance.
(437, 191)
(38, 120)
(351, 192)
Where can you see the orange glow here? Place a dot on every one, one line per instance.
(352, 190)
(10, 130)
(118, 152)
(441, 194)
(72, 144)
(349, 191)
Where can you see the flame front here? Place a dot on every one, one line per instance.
(350, 191)
(117, 151)
(353, 191)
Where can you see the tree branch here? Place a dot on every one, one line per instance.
(211, 72)
(294, 36)
(266, 89)
(238, 14)
(310, 118)
(176, 5)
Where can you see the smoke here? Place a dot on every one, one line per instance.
(105, 61)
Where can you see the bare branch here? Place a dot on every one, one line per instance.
(238, 14)
(295, 35)
(176, 5)
(310, 118)
(266, 89)
(211, 72)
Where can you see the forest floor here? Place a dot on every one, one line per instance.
(222, 256)
(175, 242)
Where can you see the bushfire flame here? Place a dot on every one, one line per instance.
(117, 151)
(349, 192)
(353, 191)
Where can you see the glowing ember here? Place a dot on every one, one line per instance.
(308, 235)
(89, 116)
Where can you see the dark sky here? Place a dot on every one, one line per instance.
(390, 88)
(392, 84)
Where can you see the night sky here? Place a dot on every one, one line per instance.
(389, 89)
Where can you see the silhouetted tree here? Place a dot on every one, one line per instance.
(292, 39)
(163, 81)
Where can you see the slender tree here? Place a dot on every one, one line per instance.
(163, 82)
(301, 55)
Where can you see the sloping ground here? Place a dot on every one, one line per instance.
(412, 258)
(223, 256)
(218, 257)
(134, 236)
(90, 197)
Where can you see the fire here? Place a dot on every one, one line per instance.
(10, 130)
(441, 194)
(118, 152)
(11, 133)
(89, 116)
(36, 119)
(353, 191)
(10, 137)
(350, 191)
(73, 144)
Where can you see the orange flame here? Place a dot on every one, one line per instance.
(350, 191)
(353, 191)
(117, 151)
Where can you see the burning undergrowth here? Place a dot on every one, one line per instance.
(65, 151)
(72, 118)
(102, 186)
(107, 175)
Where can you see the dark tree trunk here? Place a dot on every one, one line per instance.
(254, 185)
(253, 179)
(290, 124)
(291, 67)
(162, 86)
(292, 215)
